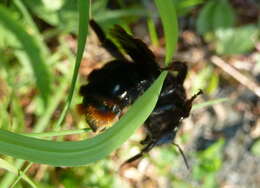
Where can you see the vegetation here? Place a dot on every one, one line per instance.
(42, 41)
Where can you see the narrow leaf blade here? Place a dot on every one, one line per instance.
(170, 25)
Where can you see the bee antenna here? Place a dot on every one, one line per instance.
(183, 156)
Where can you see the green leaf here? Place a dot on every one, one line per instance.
(185, 6)
(213, 151)
(256, 148)
(32, 50)
(152, 31)
(213, 83)
(170, 25)
(204, 23)
(224, 16)
(87, 151)
(216, 14)
(236, 40)
(209, 162)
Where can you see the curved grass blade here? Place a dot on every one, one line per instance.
(32, 50)
(170, 25)
(86, 151)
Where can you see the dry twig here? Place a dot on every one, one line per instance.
(236, 75)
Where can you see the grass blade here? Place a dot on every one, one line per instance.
(170, 25)
(32, 50)
(9, 167)
(209, 103)
(83, 7)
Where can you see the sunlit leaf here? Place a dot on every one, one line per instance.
(216, 14)
(236, 40)
(209, 162)
(256, 148)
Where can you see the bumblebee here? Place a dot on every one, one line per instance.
(120, 82)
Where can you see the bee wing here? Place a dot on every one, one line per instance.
(135, 48)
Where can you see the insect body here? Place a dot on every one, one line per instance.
(120, 82)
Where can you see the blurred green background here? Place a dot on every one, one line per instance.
(219, 40)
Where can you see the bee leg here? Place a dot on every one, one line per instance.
(106, 43)
(189, 101)
(146, 140)
(188, 104)
(195, 96)
(146, 149)
(92, 126)
(183, 156)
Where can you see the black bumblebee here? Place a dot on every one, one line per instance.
(120, 82)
